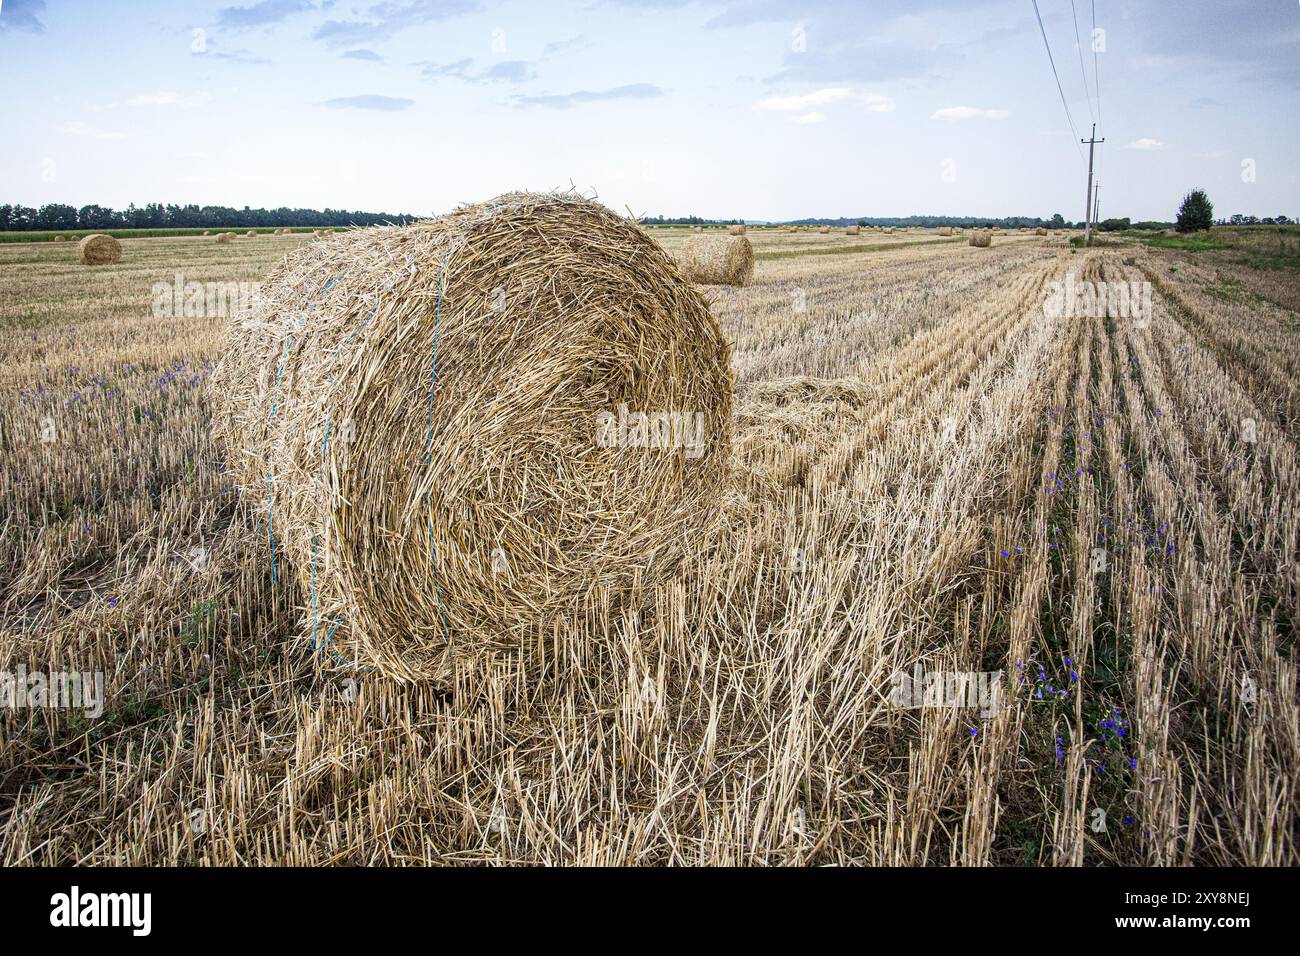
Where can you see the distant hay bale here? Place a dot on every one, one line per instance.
(58, 239)
(853, 231)
(697, 228)
(99, 250)
(251, 233)
(717, 260)
(736, 230)
(945, 230)
(318, 232)
(1040, 231)
(207, 232)
(440, 503)
(825, 230)
(225, 236)
(981, 238)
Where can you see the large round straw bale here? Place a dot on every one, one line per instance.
(58, 239)
(1040, 231)
(717, 259)
(225, 236)
(99, 250)
(945, 230)
(736, 230)
(824, 230)
(981, 238)
(443, 423)
(853, 231)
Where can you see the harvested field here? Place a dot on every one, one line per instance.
(932, 477)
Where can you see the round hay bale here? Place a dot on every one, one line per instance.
(1040, 231)
(99, 250)
(225, 236)
(736, 230)
(853, 231)
(447, 435)
(207, 232)
(825, 230)
(945, 230)
(250, 234)
(981, 238)
(58, 239)
(717, 260)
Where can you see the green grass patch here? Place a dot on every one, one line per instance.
(1189, 242)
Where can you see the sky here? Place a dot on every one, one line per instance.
(757, 109)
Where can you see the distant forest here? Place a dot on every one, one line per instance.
(929, 222)
(58, 216)
(18, 218)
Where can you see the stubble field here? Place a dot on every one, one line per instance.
(932, 476)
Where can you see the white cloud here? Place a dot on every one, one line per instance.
(91, 132)
(168, 98)
(953, 114)
(1146, 143)
(794, 104)
(160, 98)
(806, 105)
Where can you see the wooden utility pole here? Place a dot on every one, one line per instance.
(1087, 220)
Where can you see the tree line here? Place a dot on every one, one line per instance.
(19, 218)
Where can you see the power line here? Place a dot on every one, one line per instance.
(1096, 85)
(1096, 81)
(1078, 45)
(1052, 61)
